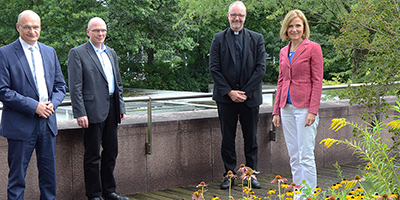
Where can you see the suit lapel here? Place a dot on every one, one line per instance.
(231, 44)
(299, 50)
(19, 52)
(246, 46)
(93, 56)
(46, 67)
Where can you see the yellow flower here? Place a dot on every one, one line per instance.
(344, 182)
(317, 189)
(271, 191)
(350, 184)
(352, 191)
(289, 193)
(376, 195)
(395, 124)
(315, 194)
(368, 166)
(246, 190)
(281, 196)
(328, 142)
(296, 191)
(359, 189)
(350, 196)
(284, 185)
(216, 198)
(289, 198)
(338, 123)
(394, 195)
(335, 187)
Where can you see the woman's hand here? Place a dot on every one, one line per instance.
(276, 119)
(310, 119)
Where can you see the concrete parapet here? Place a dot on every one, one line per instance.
(185, 151)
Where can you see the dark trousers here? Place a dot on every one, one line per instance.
(99, 168)
(43, 141)
(229, 114)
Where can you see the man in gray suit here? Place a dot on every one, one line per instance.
(96, 96)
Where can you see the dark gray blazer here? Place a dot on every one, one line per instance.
(88, 84)
(222, 66)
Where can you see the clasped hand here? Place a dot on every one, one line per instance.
(45, 109)
(237, 96)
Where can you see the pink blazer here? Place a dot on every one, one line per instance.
(304, 76)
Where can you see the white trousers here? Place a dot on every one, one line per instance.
(300, 142)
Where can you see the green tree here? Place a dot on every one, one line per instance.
(63, 23)
(370, 38)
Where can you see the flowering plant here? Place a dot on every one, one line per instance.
(380, 175)
(245, 173)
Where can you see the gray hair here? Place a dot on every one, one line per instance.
(236, 3)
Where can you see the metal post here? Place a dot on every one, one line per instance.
(149, 129)
(272, 128)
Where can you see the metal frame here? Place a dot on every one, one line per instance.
(148, 99)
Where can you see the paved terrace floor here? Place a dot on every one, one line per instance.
(327, 176)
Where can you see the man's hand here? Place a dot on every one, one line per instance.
(310, 119)
(45, 109)
(83, 122)
(237, 96)
(122, 116)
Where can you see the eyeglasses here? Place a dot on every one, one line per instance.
(98, 31)
(28, 28)
(241, 16)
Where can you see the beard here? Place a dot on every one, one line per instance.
(236, 26)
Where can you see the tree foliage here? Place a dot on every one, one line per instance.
(370, 39)
(164, 44)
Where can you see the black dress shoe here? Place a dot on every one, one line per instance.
(255, 184)
(226, 183)
(114, 196)
(96, 198)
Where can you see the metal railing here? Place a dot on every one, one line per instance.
(149, 100)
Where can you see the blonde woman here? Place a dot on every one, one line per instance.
(298, 95)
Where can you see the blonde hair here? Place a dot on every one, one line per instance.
(288, 18)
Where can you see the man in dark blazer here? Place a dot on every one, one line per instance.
(237, 66)
(97, 103)
(31, 88)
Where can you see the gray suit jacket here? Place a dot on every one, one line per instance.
(88, 85)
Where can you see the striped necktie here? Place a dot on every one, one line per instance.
(40, 82)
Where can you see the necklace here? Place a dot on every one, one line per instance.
(296, 47)
(292, 52)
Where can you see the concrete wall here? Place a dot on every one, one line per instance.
(186, 150)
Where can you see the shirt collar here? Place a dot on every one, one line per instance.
(25, 45)
(236, 33)
(103, 48)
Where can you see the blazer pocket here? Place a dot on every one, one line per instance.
(88, 97)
